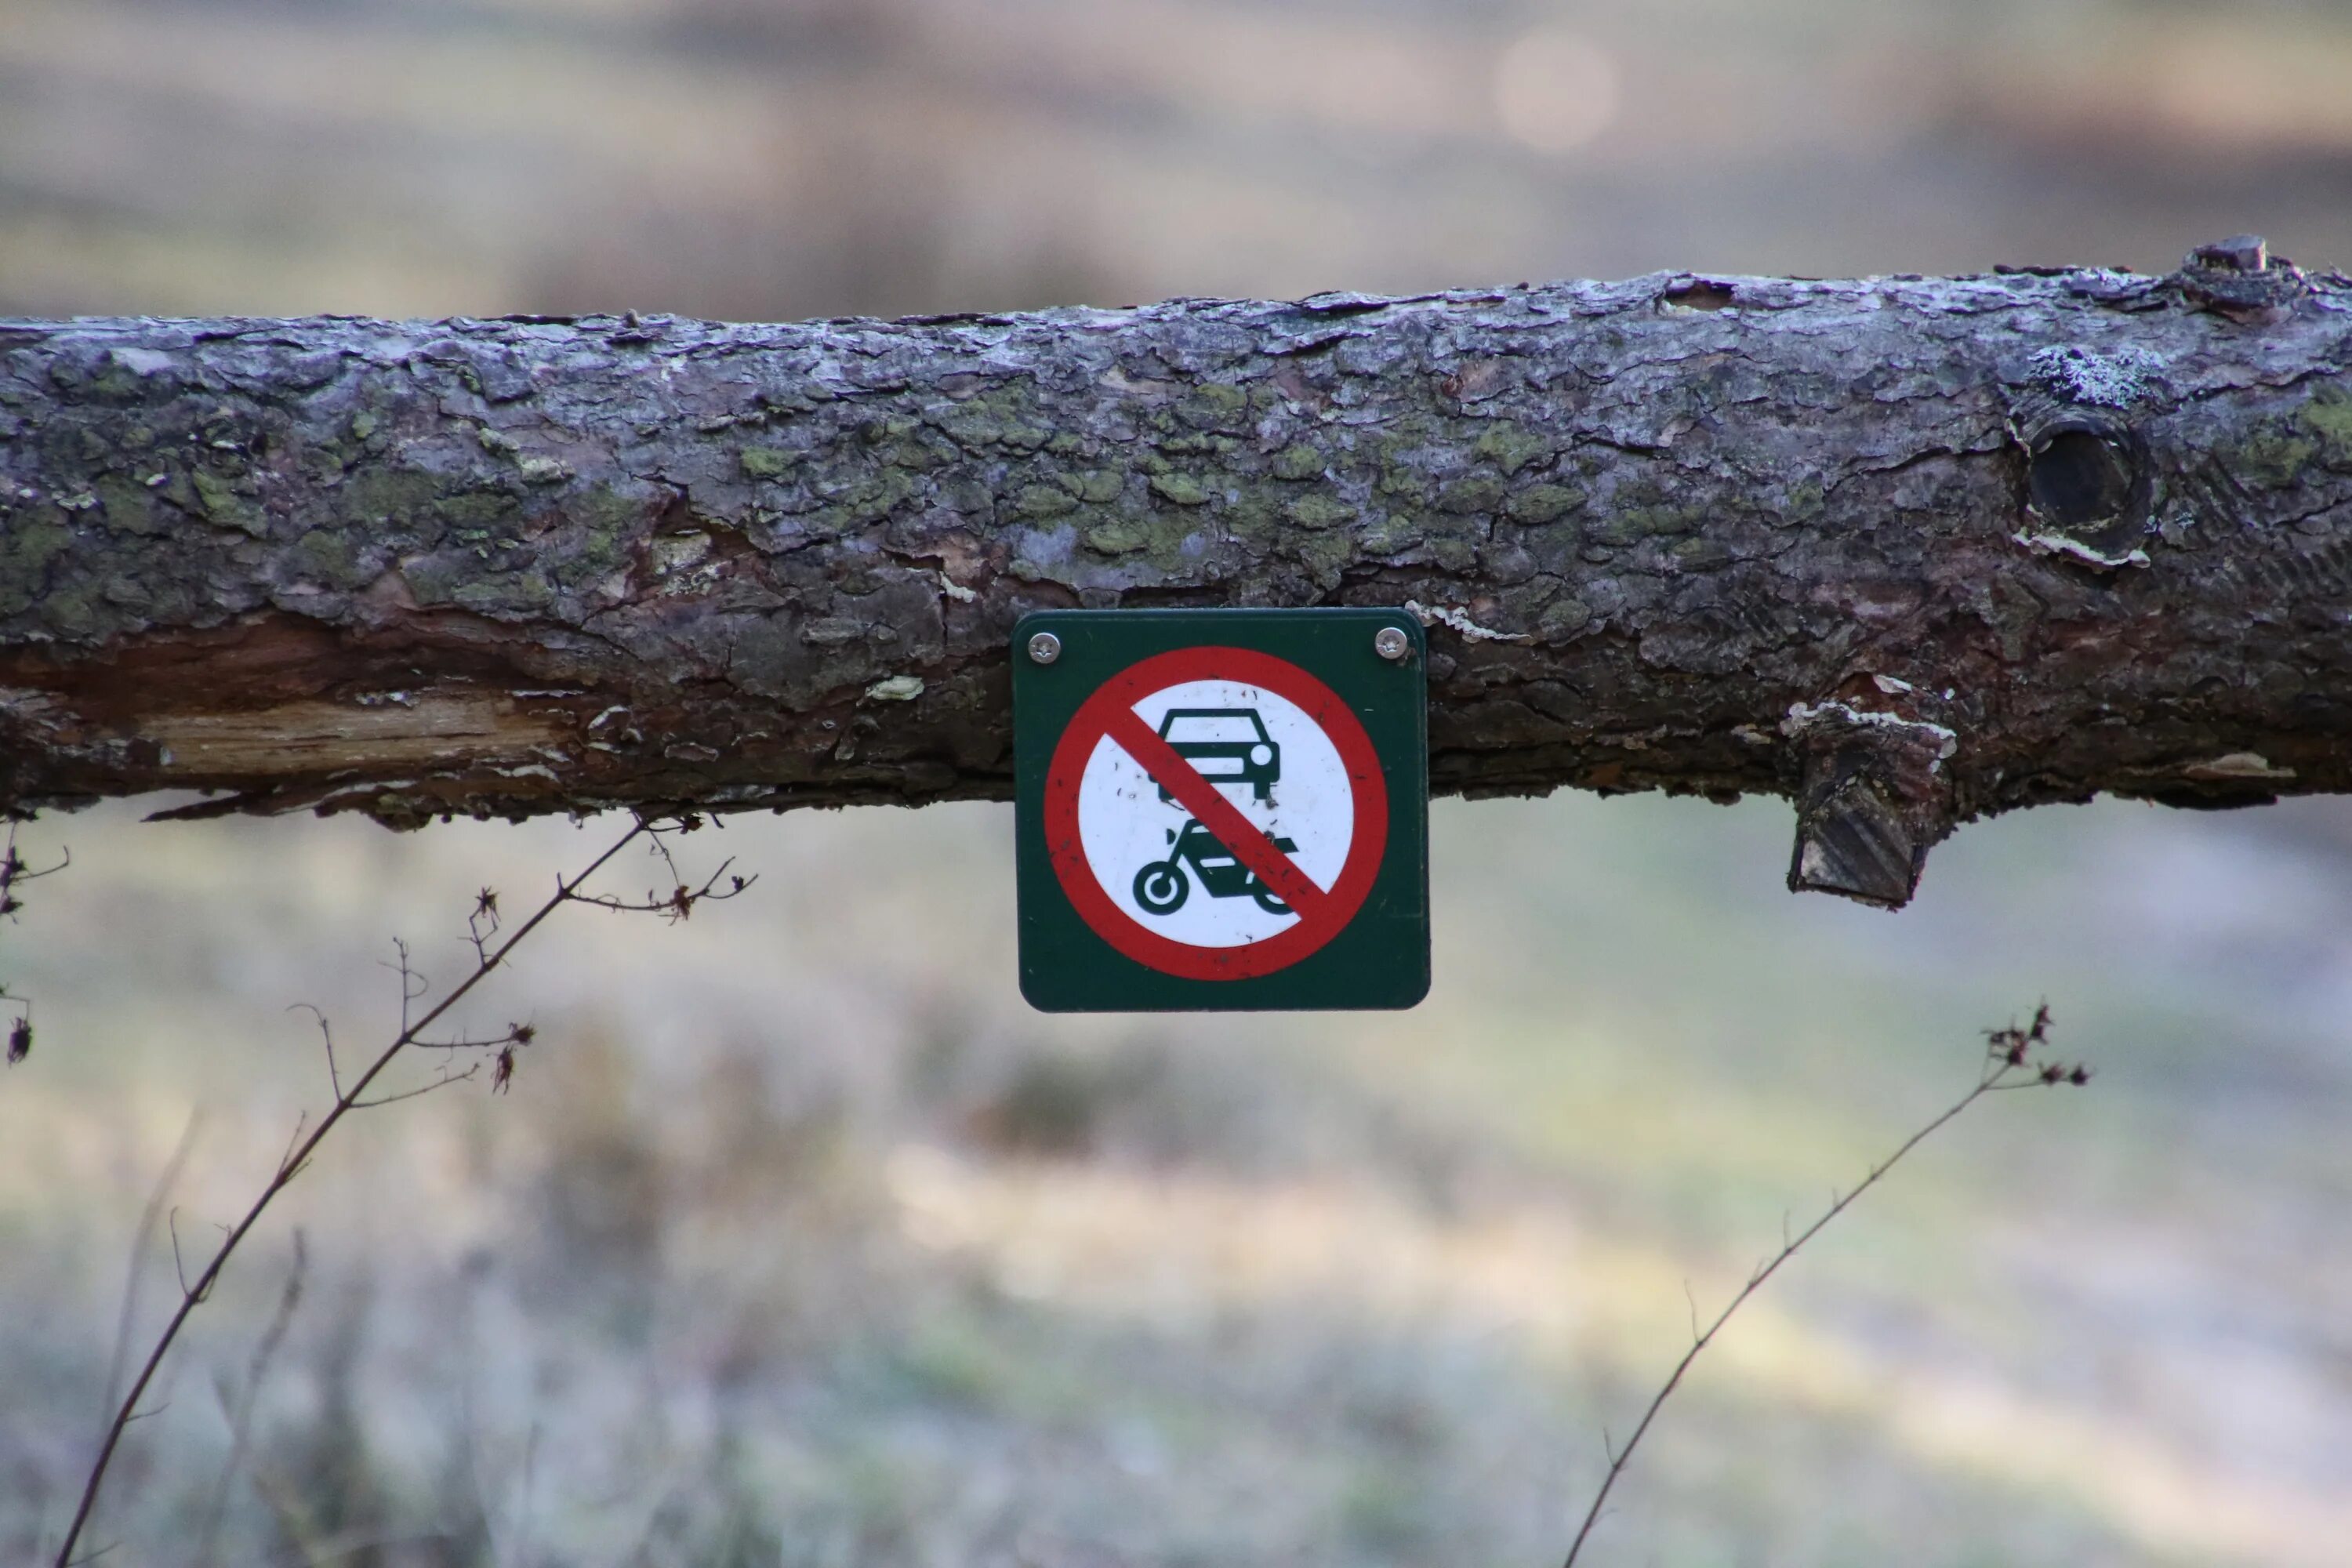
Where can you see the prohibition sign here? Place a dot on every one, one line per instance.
(1318, 911)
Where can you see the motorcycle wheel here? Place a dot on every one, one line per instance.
(1160, 888)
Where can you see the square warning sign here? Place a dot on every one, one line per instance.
(1222, 809)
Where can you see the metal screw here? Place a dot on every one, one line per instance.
(1390, 642)
(1045, 647)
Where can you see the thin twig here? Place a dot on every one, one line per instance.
(443, 1080)
(473, 1043)
(677, 904)
(241, 1418)
(350, 1099)
(300, 1119)
(13, 870)
(172, 1224)
(483, 924)
(132, 1277)
(327, 1036)
(2009, 1055)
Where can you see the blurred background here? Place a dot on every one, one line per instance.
(799, 1240)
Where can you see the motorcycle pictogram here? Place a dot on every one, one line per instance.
(1161, 889)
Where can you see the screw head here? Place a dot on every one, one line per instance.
(1390, 642)
(1045, 647)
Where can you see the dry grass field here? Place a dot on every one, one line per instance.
(798, 1239)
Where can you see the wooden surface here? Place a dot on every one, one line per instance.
(1907, 551)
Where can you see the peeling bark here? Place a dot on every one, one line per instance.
(1906, 551)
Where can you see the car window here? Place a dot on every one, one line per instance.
(1210, 728)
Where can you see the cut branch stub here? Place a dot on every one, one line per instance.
(2089, 489)
(2240, 278)
(1871, 800)
(2089, 483)
(2093, 527)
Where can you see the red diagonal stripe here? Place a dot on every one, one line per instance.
(1196, 795)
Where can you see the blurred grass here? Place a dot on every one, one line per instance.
(799, 1232)
(801, 1241)
(777, 158)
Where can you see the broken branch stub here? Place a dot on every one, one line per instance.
(1907, 551)
(1870, 799)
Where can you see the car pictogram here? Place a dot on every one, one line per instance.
(1226, 746)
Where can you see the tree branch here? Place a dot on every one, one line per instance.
(2010, 1063)
(299, 1151)
(1905, 550)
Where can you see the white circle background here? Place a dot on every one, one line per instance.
(1124, 825)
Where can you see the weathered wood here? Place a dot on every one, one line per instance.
(1904, 549)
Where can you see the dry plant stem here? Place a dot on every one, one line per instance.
(13, 870)
(2006, 1069)
(136, 1270)
(347, 1099)
(241, 1417)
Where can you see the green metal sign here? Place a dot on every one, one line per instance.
(1222, 809)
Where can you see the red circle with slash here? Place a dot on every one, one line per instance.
(1109, 714)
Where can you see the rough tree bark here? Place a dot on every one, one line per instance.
(1907, 551)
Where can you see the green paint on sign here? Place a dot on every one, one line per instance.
(1222, 809)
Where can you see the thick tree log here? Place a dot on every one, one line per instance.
(1904, 549)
